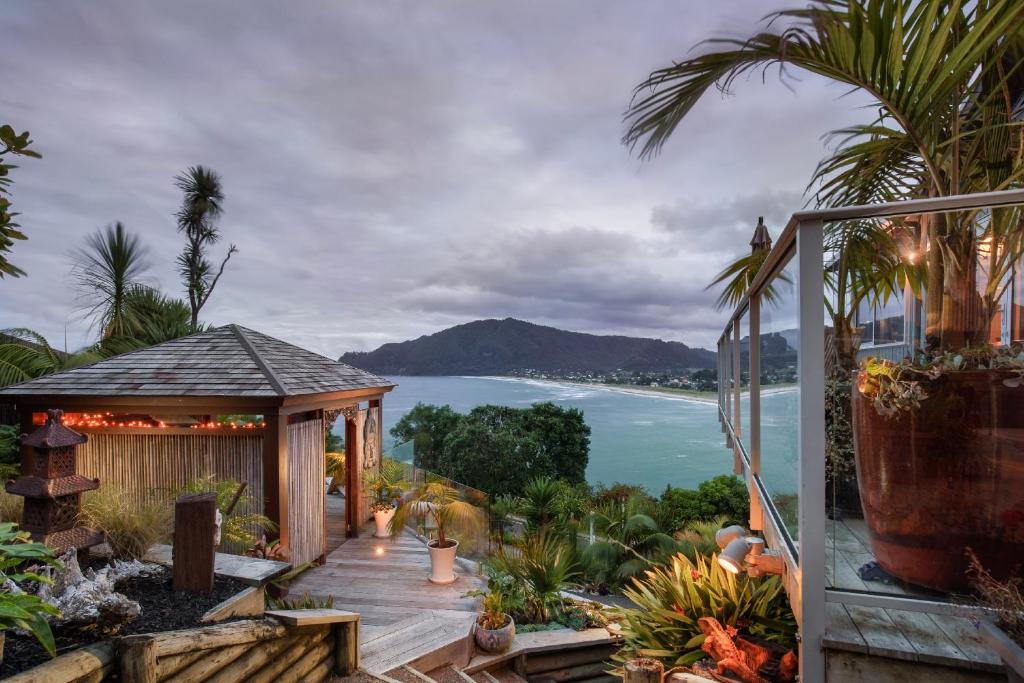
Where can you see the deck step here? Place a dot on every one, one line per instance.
(426, 641)
(448, 674)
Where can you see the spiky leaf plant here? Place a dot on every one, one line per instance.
(671, 598)
(451, 514)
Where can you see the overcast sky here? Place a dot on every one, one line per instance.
(394, 168)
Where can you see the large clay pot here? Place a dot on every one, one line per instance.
(497, 640)
(382, 518)
(945, 477)
(442, 561)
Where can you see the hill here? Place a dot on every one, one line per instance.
(501, 347)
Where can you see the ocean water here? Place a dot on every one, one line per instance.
(635, 439)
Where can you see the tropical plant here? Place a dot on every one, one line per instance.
(946, 75)
(539, 503)
(538, 568)
(197, 220)
(110, 266)
(131, 525)
(25, 354)
(492, 615)
(240, 524)
(334, 467)
(11, 507)
(18, 145)
(19, 609)
(10, 452)
(157, 318)
(443, 504)
(629, 542)
(698, 538)
(670, 599)
(386, 485)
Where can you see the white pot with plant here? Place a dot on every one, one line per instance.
(385, 488)
(441, 504)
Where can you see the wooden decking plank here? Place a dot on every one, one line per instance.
(859, 528)
(840, 631)
(845, 540)
(962, 632)
(930, 642)
(880, 634)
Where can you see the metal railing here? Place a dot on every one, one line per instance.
(795, 268)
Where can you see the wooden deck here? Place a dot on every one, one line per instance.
(385, 581)
(928, 639)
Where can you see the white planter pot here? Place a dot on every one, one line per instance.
(382, 518)
(442, 562)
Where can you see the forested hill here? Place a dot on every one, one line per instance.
(500, 347)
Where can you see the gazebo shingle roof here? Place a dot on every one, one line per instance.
(227, 361)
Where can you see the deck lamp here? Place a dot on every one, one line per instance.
(741, 552)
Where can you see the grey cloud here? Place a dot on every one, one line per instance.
(397, 166)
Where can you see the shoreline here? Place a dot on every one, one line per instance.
(635, 390)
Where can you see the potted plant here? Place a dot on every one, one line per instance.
(20, 609)
(385, 488)
(494, 629)
(442, 505)
(937, 462)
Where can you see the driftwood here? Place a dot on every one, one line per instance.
(744, 659)
(643, 670)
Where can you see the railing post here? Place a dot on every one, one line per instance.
(811, 444)
(754, 437)
(737, 381)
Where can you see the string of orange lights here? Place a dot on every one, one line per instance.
(109, 420)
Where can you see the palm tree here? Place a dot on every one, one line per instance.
(946, 75)
(197, 221)
(445, 507)
(630, 542)
(25, 354)
(107, 270)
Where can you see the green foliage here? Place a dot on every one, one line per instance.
(112, 263)
(722, 496)
(10, 451)
(242, 526)
(131, 526)
(451, 514)
(531, 575)
(11, 507)
(630, 541)
(197, 220)
(305, 601)
(25, 354)
(22, 610)
(426, 426)
(18, 145)
(386, 486)
(671, 598)
(498, 449)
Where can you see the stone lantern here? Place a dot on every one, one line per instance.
(52, 489)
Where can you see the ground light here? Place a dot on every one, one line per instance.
(741, 552)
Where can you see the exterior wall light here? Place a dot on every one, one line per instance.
(741, 552)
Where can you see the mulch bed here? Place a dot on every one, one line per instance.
(162, 610)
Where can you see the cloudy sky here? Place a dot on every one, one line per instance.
(393, 168)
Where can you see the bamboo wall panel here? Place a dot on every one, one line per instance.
(306, 491)
(150, 465)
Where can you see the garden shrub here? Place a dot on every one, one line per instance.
(240, 529)
(22, 610)
(10, 507)
(670, 600)
(131, 526)
(722, 496)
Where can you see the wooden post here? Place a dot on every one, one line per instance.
(193, 552)
(275, 472)
(138, 659)
(643, 670)
(346, 653)
(352, 487)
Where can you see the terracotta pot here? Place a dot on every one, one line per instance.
(382, 518)
(943, 478)
(442, 562)
(498, 640)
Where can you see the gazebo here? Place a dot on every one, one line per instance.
(156, 418)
